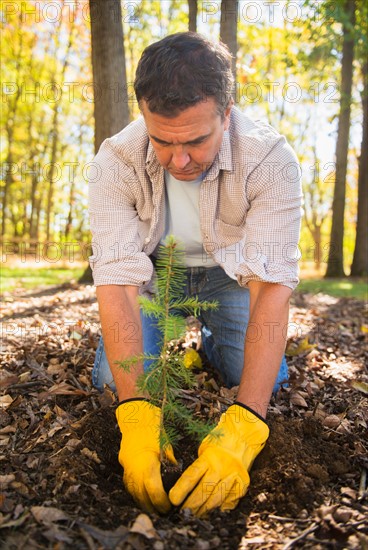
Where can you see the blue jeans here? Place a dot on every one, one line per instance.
(223, 330)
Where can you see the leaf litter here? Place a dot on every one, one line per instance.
(61, 483)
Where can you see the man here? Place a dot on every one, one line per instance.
(229, 188)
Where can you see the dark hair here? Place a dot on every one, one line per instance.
(182, 70)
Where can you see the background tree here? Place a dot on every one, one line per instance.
(335, 262)
(228, 31)
(55, 132)
(359, 265)
(13, 106)
(297, 50)
(315, 207)
(193, 10)
(111, 110)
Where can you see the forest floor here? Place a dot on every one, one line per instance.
(60, 479)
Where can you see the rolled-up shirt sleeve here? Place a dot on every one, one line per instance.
(271, 251)
(117, 256)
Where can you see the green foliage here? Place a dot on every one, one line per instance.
(302, 52)
(35, 52)
(168, 374)
(340, 288)
(16, 277)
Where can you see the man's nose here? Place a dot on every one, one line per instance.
(180, 158)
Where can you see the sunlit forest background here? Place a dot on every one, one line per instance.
(300, 65)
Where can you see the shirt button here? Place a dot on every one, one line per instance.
(147, 240)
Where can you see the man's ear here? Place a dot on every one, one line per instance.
(227, 114)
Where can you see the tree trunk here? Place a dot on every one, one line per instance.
(10, 124)
(51, 172)
(359, 266)
(228, 31)
(8, 179)
(335, 263)
(36, 127)
(193, 10)
(55, 135)
(69, 221)
(111, 109)
(34, 185)
(36, 231)
(316, 234)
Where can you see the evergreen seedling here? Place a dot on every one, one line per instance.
(168, 374)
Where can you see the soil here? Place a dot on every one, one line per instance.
(60, 478)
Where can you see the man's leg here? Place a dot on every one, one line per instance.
(223, 330)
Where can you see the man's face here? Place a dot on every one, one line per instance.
(186, 145)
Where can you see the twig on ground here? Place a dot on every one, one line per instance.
(288, 520)
(25, 385)
(362, 484)
(208, 396)
(76, 382)
(302, 535)
(87, 537)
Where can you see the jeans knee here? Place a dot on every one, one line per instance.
(101, 373)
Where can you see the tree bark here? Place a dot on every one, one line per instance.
(228, 31)
(55, 135)
(111, 109)
(359, 266)
(9, 127)
(69, 221)
(193, 11)
(335, 262)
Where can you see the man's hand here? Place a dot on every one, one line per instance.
(219, 477)
(139, 423)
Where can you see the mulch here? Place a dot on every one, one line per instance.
(61, 483)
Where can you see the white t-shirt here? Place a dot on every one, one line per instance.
(182, 219)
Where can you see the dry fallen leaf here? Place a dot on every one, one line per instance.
(348, 491)
(319, 412)
(297, 399)
(61, 389)
(332, 421)
(303, 346)
(5, 480)
(144, 526)
(229, 393)
(8, 381)
(342, 514)
(91, 454)
(13, 523)
(5, 401)
(48, 514)
(108, 539)
(361, 386)
(344, 427)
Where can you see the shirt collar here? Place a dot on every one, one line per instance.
(152, 165)
(223, 159)
(225, 154)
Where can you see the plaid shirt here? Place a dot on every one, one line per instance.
(250, 206)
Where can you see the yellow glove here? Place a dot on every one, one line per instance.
(219, 477)
(139, 423)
